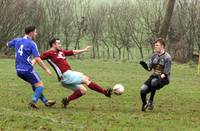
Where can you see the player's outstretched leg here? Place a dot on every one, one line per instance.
(94, 86)
(80, 91)
(109, 92)
(65, 102)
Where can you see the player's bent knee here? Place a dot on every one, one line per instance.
(144, 89)
(39, 84)
(86, 80)
(154, 82)
(83, 90)
(86, 77)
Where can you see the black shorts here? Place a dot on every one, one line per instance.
(162, 82)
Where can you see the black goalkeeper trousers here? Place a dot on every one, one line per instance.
(161, 82)
(153, 83)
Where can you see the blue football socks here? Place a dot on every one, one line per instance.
(42, 97)
(37, 93)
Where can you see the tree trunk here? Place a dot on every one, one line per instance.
(113, 53)
(124, 51)
(119, 51)
(166, 22)
(141, 53)
(130, 57)
(98, 52)
(93, 49)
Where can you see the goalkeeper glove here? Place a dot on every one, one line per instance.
(144, 65)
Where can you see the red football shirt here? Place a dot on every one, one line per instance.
(58, 60)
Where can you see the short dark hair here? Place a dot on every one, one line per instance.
(29, 29)
(53, 41)
(161, 41)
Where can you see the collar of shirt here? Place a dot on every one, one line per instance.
(161, 54)
(26, 37)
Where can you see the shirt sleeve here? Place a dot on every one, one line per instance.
(35, 51)
(68, 52)
(11, 44)
(167, 67)
(46, 55)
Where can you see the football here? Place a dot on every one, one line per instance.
(118, 89)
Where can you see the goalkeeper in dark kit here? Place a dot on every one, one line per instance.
(160, 63)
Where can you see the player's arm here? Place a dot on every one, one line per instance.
(33, 62)
(167, 68)
(42, 65)
(39, 60)
(43, 56)
(11, 44)
(145, 65)
(86, 49)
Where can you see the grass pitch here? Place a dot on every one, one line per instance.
(176, 105)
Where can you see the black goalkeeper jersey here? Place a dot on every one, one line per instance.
(161, 64)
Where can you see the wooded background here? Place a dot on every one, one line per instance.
(123, 29)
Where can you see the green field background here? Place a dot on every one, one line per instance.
(176, 105)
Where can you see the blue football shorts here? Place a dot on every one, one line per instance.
(71, 79)
(31, 77)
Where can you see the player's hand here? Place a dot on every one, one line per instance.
(48, 71)
(88, 48)
(33, 62)
(144, 65)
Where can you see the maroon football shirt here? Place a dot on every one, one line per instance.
(58, 60)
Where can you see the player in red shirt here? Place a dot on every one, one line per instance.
(73, 80)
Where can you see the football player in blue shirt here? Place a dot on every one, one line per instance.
(25, 48)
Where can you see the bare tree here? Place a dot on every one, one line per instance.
(167, 19)
(113, 35)
(96, 20)
(80, 10)
(119, 30)
(183, 33)
(50, 25)
(67, 19)
(150, 17)
(14, 16)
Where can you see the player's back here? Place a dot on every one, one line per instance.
(24, 49)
